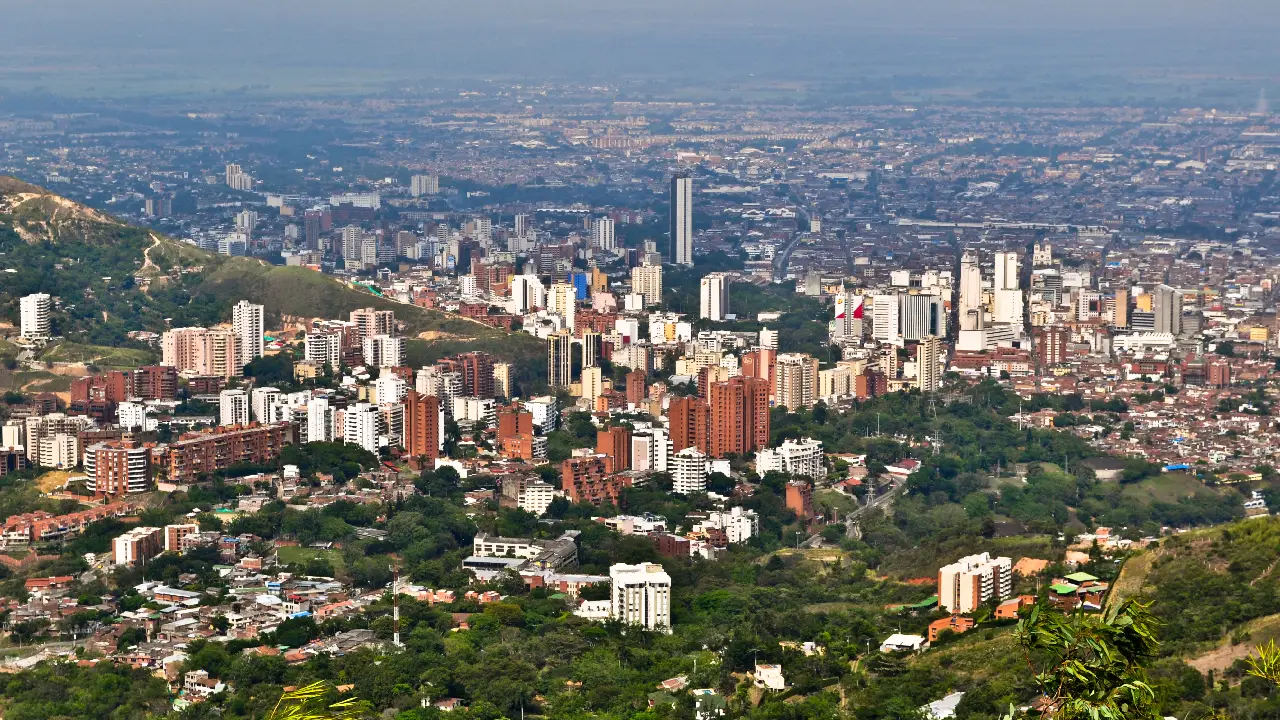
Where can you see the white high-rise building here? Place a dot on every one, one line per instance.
(688, 472)
(681, 220)
(248, 321)
(796, 457)
(884, 319)
(527, 294)
(263, 400)
(361, 424)
(390, 388)
(715, 297)
(522, 225)
(848, 315)
(641, 595)
(1006, 273)
(131, 416)
(384, 351)
(237, 179)
(602, 233)
(34, 311)
(420, 185)
(646, 281)
(324, 349)
(970, 309)
(963, 586)
(321, 421)
(1166, 305)
(233, 407)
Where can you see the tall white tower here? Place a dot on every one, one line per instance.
(247, 320)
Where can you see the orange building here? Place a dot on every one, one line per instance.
(956, 623)
(422, 425)
(739, 416)
(637, 385)
(689, 420)
(615, 444)
(800, 499)
(586, 479)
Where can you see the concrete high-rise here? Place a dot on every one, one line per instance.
(560, 359)
(423, 425)
(248, 321)
(646, 281)
(1006, 271)
(796, 383)
(370, 322)
(602, 234)
(1166, 304)
(970, 307)
(34, 315)
(361, 425)
(233, 407)
(963, 586)
(739, 420)
(928, 357)
(715, 297)
(681, 220)
(641, 596)
(420, 185)
(202, 351)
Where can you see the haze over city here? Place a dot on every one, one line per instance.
(654, 360)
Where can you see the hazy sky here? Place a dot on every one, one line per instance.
(597, 39)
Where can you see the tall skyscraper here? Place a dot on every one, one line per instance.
(592, 344)
(682, 220)
(970, 308)
(848, 315)
(1166, 303)
(739, 416)
(34, 316)
(928, 376)
(715, 297)
(1006, 272)
(247, 320)
(560, 359)
(602, 233)
(423, 425)
(688, 419)
(1120, 312)
(361, 426)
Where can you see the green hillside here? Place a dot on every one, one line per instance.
(98, 269)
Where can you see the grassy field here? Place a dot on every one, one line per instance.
(925, 560)
(295, 554)
(302, 292)
(35, 381)
(1166, 488)
(106, 357)
(836, 499)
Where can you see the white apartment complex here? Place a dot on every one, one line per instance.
(967, 583)
(641, 595)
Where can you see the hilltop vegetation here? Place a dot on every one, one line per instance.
(93, 263)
